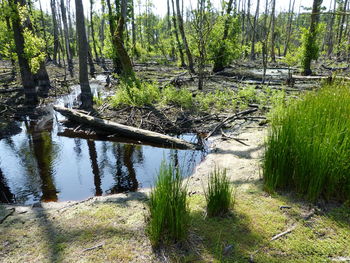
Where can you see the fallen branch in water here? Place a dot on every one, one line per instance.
(126, 131)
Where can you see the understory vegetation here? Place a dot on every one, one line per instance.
(168, 211)
(219, 193)
(149, 93)
(308, 148)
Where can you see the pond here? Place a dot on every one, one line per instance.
(40, 164)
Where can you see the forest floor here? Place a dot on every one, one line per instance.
(262, 227)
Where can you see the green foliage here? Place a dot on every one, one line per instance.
(309, 48)
(168, 212)
(219, 193)
(308, 148)
(136, 93)
(229, 49)
(33, 49)
(179, 97)
(218, 100)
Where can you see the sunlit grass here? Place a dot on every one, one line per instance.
(218, 193)
(168, 212)
(308, 148)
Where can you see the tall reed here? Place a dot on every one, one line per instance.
(168, 218)
(308, 148)
(219, 194)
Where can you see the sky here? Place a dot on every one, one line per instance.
(160, 6)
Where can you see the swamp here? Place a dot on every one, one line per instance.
(174, 131)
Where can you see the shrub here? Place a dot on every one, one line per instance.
(135, 93)
(179, 97)
(308, 148)
(168, 213)
(218, 194)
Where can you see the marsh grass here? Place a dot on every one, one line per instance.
(308, 148)
(168, 212)
(219, 193)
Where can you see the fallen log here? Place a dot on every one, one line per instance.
(298, 77)
(105, 136)
(126, 131)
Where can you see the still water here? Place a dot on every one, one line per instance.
(39, 164)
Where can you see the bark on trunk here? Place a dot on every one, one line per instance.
(184, 39)
(56, 40)
(86, 96)
(26, 74)
(66, 38)
(179, 45)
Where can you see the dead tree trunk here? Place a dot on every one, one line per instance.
(254, 33)
(184, 39)
(273, 19)
(93, 31)
(289, 26)
(56, 40)
(66, 39)
(26, 74)
(86, 96)
(179, 45)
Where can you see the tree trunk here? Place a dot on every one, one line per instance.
(184, 39)
(315, 16)
(179, 45)
(26, 75)
(341, 28)
(93, 31)
(56, 40)
(86, 96)
(273, 19)
(289, 26)
(112, 27)
(254, 33)
(66, 38)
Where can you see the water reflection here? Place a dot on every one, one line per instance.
(95, 168)
(5, 193)
(39, 164)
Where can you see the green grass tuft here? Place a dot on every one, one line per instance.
(168, 218)
(308, 148)
(218, 194)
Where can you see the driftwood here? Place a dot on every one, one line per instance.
(298, 77)
(335, 69)
(126, 131)
(283, 233)
(77, 133)
(230, 118)
(2, 220)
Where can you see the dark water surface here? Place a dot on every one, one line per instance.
(39, 165)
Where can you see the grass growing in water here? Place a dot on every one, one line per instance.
(168, 219)
(308, 148)
(218, 194)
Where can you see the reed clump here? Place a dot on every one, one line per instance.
(219, 193)
(308, 148)
(168, 212)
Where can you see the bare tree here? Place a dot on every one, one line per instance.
(183, 36)
(86, 96)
